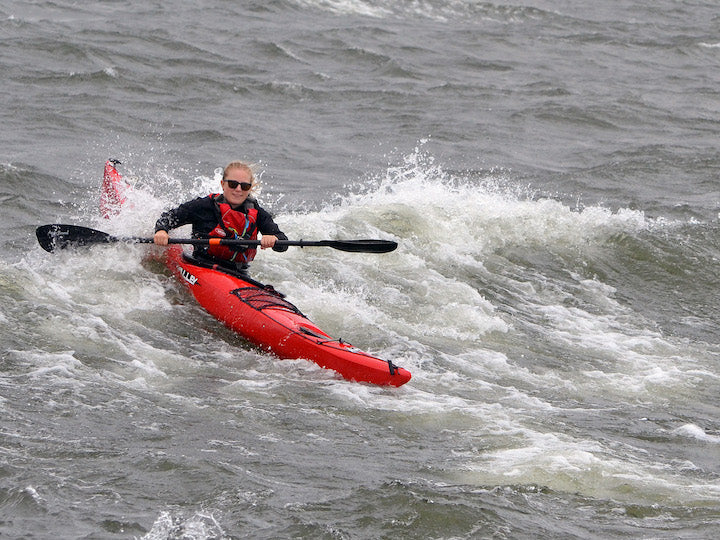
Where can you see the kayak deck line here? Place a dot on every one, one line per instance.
(258, 295)
(261, 299)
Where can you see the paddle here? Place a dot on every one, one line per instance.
(57, 236)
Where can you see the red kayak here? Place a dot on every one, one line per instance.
(258, 312)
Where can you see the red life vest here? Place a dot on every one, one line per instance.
(234, 224)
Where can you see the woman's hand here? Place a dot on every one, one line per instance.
(267, 241)
(161, 238)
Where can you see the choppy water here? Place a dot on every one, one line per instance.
(550, 170)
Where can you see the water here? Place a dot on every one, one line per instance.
(550, 172)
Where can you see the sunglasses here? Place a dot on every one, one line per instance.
(233, 184)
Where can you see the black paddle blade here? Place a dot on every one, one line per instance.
(57, 236)
(361, 246)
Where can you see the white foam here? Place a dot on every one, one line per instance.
(176, 524)
(694, 431)
(43, 365)
(564, 464)
(348, 7)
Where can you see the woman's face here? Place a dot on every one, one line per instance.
(237, 176)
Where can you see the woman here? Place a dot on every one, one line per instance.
(231, 214)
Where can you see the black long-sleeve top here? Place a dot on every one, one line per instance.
(203, 216)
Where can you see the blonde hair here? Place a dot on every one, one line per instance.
(249, 167)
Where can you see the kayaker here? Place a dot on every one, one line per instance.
(234, 213)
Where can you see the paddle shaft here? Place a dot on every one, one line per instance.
(58, 236)
(366, 246)
(239, 243)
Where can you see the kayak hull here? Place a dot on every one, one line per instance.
(260, 314)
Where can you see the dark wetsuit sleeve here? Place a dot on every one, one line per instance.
(199, 212)
(266, 225)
